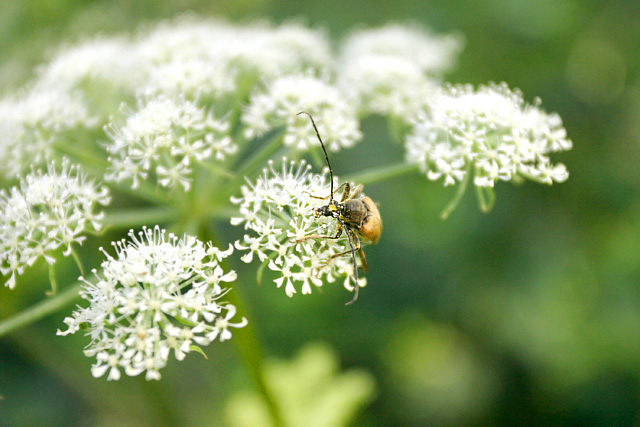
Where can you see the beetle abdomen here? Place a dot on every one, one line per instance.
(371, 227)
(354, 212)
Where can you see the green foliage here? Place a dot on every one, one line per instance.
(308, 391)
(535, 305)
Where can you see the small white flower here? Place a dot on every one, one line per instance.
(195, 77)
(158, 295)
(451, 171)
(32, 121)
(112, 60)
(213, 57)
(386, 84)
(490, 131)
(47, 211)
(287, 96)
(278, 210)
(433, 54)
(394, 69)
(162, 138)
(221, 328)
(548, 174)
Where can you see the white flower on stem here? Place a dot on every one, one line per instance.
(278, 210)
(451, 171)
(548, 173)
(297, 48)
(222, 324)
(394, 69)
(195, 77)
(386, 84)
(263, 52)
(184, 51)
(162, 139)
(32, 121)
(46, 211)
(286, 97)
(433, 54)
(490, 131)
(159, 295)
(108, 60)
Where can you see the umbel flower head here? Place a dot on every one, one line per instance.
(278, 210)
(163, 138)
(159, 295)
(433, 53)
(47, 211)
(490, 132)
(245, 53)
(286, 96)
(111, 60)
(394, 69)
(32, 121)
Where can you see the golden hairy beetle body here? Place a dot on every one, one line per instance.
(357, 215)
(362, 216)
(371, 227)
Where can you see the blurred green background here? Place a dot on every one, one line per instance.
(529, 315)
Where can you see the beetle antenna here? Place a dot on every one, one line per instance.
(326, 156)
(355, 265)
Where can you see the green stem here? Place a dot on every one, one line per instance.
(397, 129)
(40, 310)
(486, 198)
(84, 156)
(52, 280)
(250, 164)
(381, 173)
(141, 216)
(75, 256)
(248, 346)
(216, 169)
(95, 166)
(261, 156)
(458, 196)
(144, 191)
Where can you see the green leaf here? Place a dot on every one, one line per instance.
(197, 349)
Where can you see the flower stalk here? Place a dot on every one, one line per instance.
(41, 310)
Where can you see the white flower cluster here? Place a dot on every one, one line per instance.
(30, 123)
(160, 294)
(278, 210)
(189, 55)
(47, 211)
(204, 60)
(490, 132)
(108, 60)
(163, 138)
(394, 69)
(248, 53)
(287, 96)
(275, 71)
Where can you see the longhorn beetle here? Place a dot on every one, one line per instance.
(357, 216)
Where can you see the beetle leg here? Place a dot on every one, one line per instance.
(365, 264)
(351, 236)
(356, 246)
(347, 191)
(313, 236)
(344, 184)
(357, 191)
(320, 236)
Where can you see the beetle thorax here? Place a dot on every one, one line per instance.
(333, 210)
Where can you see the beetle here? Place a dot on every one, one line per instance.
(357, 215)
